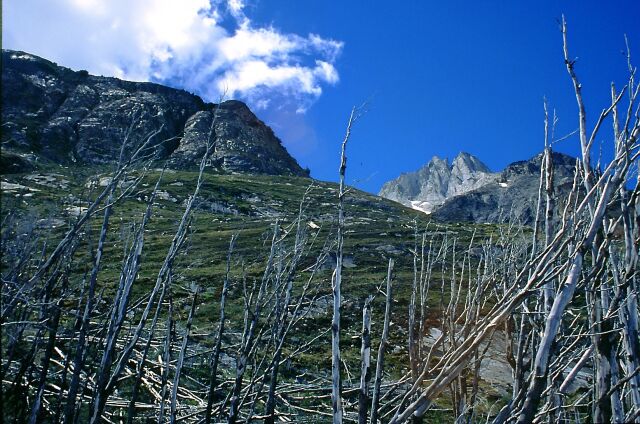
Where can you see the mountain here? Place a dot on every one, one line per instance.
(61, 126)
(467, 190)
(434, 183)
(51, 113)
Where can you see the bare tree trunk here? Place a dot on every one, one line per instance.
(365, 360)
(183, 349)
(585, 144)
(283, 329)
(166, 356)
(540, 367)
(375, 402)
(81, 348)
(629, 311)
(115, 324)
(248, 337)
(216, 350)
(131, 412)
(549, 219)
(413, 350)
(53, 332)
(336, 382)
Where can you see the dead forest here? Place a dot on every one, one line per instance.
(559, 302)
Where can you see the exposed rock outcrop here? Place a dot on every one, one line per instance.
(467, 190)
(513, 196)
(437, 181)
(55, 114)
(244, 144)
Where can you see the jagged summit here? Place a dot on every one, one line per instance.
(467, 190)
(53, 113)
(470, 163)
(436, 181)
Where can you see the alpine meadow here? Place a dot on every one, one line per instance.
(166, 259)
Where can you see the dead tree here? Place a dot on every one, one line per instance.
(215, 356)
(375, 398)
(365, 360)
(336, 387)
(180, 362)
(411, 342)
(575, 255)
(251, 322)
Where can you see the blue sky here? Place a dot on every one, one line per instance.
(440, 77)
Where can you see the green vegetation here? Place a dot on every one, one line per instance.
(45, 204)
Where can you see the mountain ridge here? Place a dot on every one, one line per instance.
(52, 113)
(460, 192)
(429, 187)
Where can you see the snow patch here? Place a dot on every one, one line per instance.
(503, 184)
(421, 206)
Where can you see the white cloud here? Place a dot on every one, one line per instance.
(264, 43)
(326, 71)
(182, 43)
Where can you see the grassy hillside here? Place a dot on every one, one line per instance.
(137, 336)
(41, 206)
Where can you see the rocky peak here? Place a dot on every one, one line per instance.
(466, 163)
(469, 191)
(60, 115)
(437, 181)
(513, 197)
(563, 166)
(439, 164)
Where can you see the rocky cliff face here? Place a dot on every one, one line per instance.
(53, 113)
(468, 191)
(430, 186)
(513, 197)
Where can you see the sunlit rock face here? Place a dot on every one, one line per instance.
(467, 190)
(437, 181)
(243, 143)
(52, 113)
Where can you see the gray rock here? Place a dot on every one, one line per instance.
(68, 117)
(437, 181)
(330, 262)
(468, 191)
(513, 197)
(243, 143)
